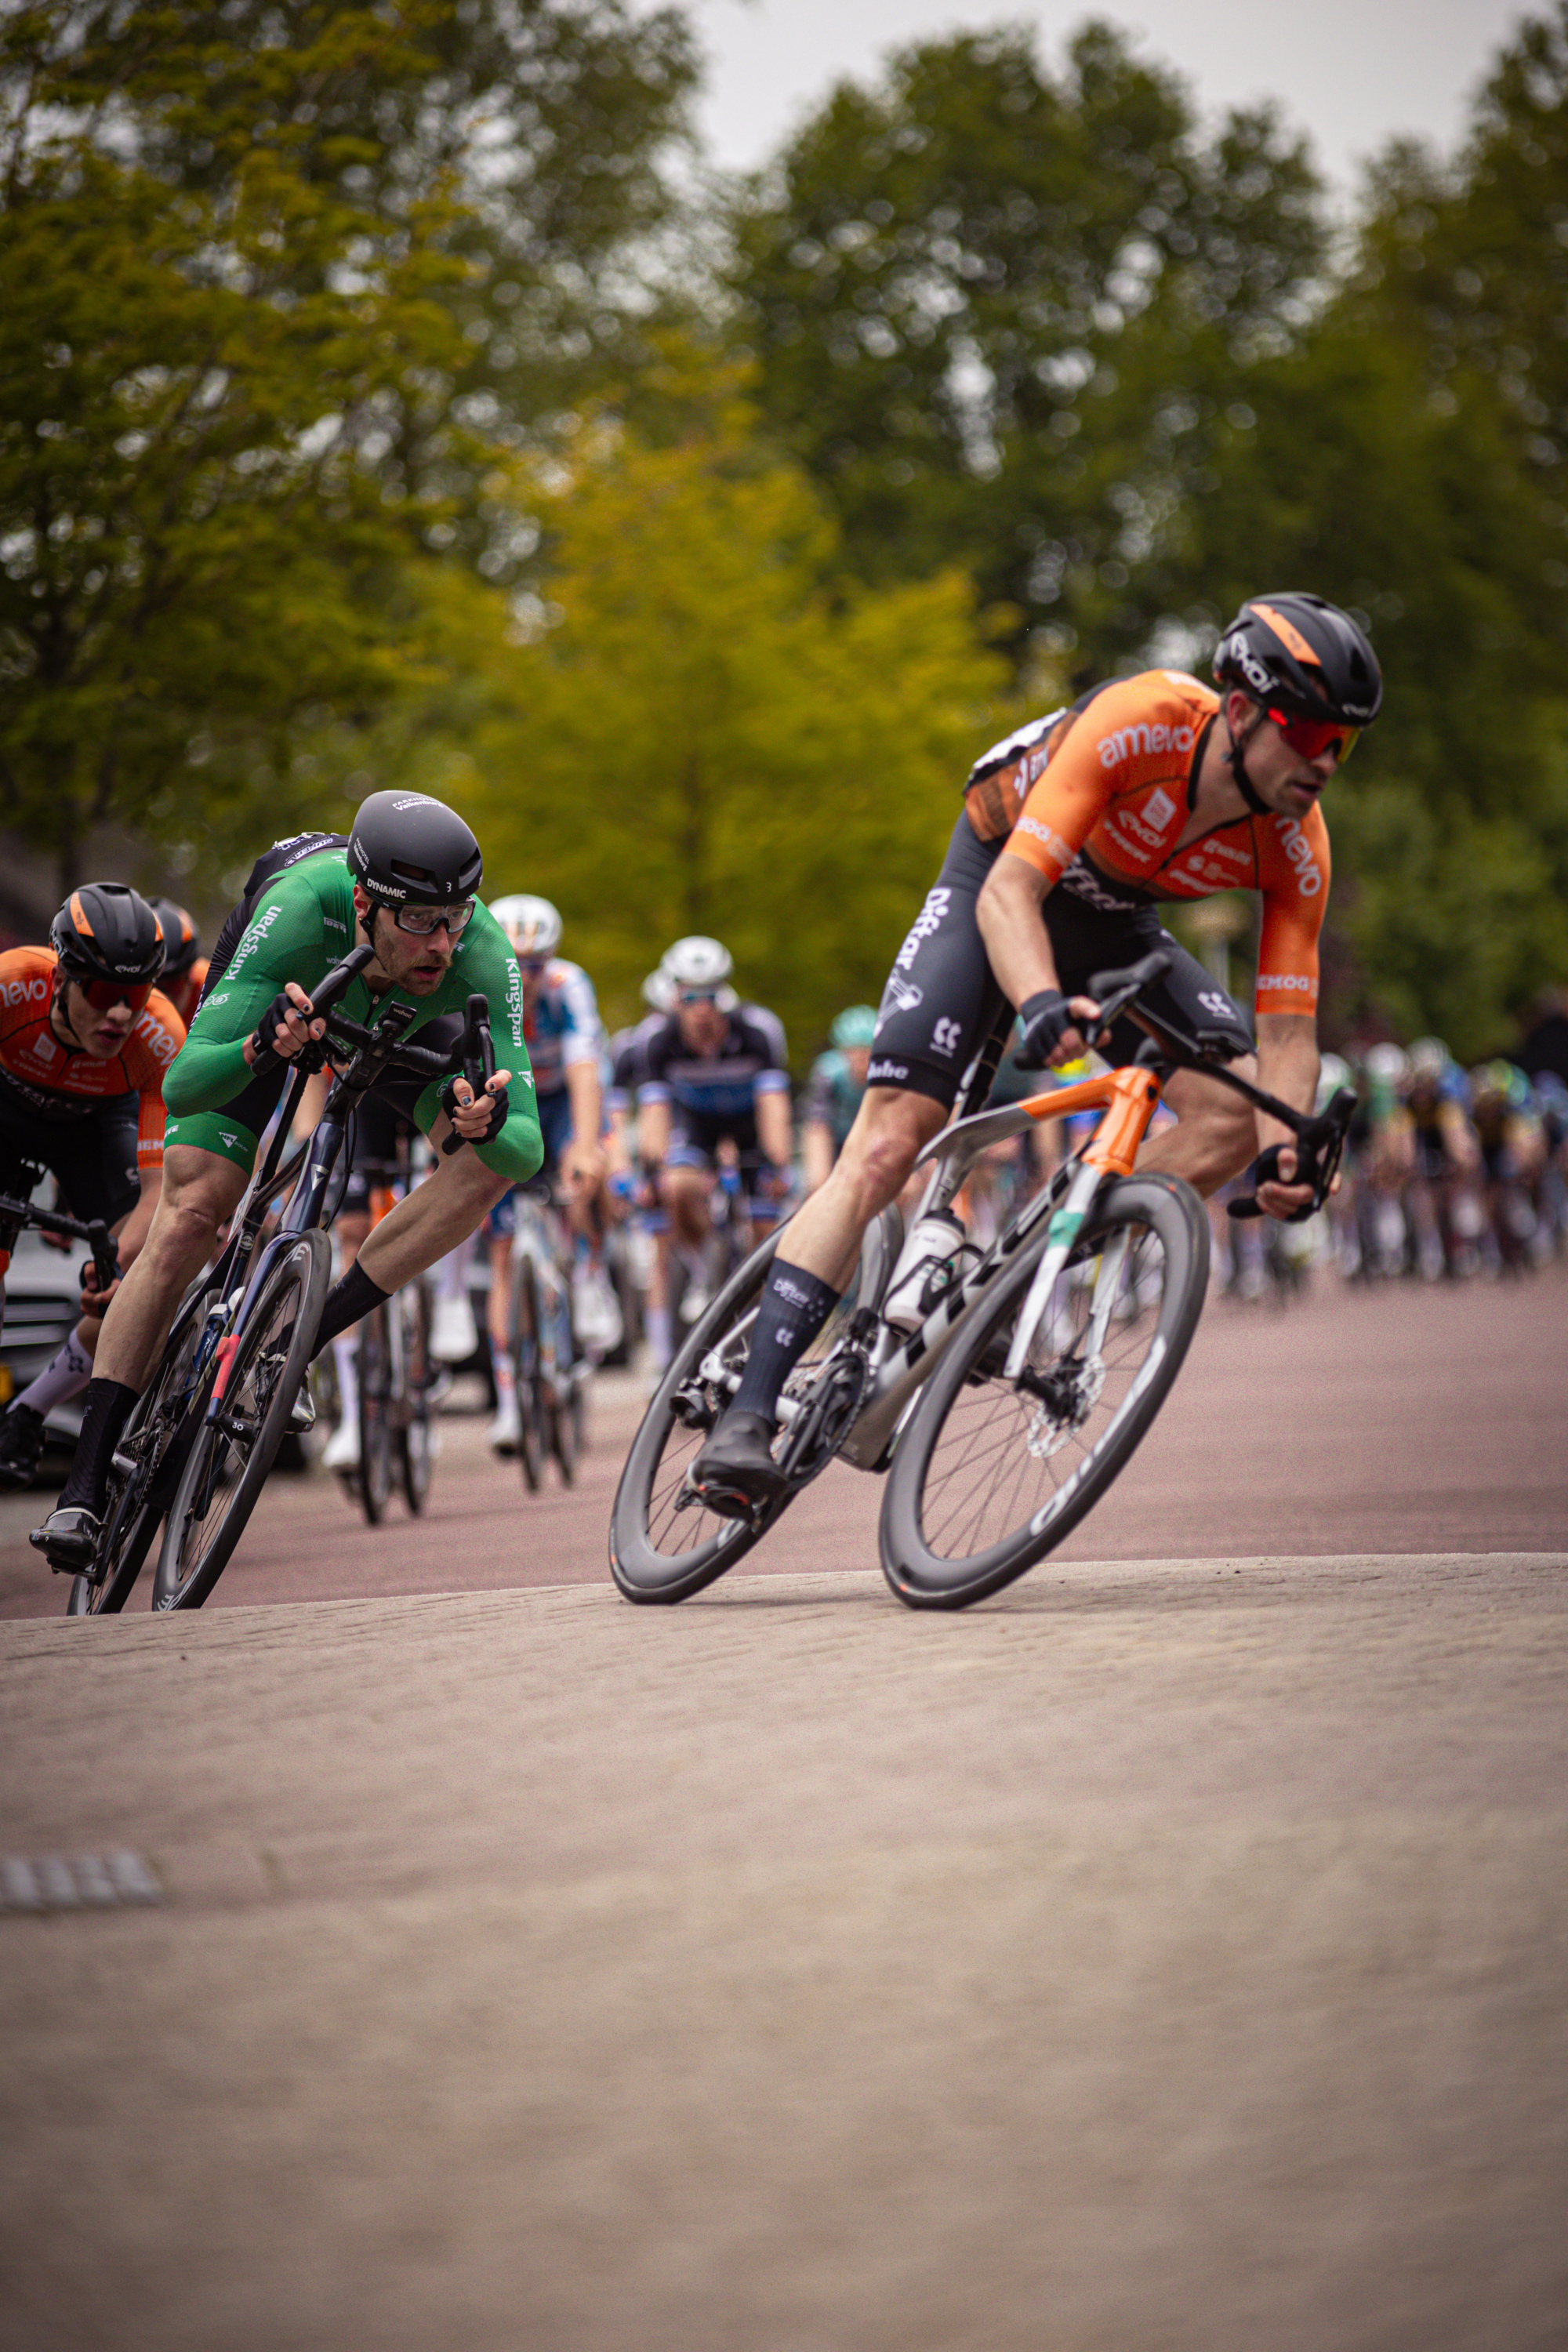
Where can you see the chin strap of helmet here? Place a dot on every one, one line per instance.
(1236, 761)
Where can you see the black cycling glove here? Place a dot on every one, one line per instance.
(1047, 1019)
(265, 1034)
(1266, 1171)
(501, 1108)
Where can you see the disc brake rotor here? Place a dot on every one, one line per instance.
(1073, 1393)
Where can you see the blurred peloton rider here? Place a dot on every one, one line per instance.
(1074, 830)
(407, 885)
(834, 1092)
(567, 1051)
(85, 1038)
(714, 1073)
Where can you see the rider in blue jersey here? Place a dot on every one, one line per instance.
(833, 1092)
(714, 1093)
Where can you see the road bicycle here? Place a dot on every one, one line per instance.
(397, 1380)
(197, 1449)
(548, 1365)
(1034, 1370)
(18, 1215)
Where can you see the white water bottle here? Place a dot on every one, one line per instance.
(931, 1242)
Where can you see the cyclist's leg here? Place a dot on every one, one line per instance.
(201, 1190)
(500, 1225)
(435, 1215)
(936, 1011)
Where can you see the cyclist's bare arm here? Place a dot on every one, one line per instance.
(775, 1126)
(1018, 946)
(582, 1162)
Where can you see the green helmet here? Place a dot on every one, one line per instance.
(857, 1026)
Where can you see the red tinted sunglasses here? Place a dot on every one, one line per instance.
(1313, 737)
(103, 995)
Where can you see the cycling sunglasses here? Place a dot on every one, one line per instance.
(422, 920)
(103, 995)
(1313, 737)
(697, 996)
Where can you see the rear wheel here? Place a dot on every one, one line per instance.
(373, 1480)
(561, 1392)
(991, 1473)
(528, 1369)
(416, 1438)
(663, 1547)
(233, 1451)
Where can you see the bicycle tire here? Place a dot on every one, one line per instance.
(416, 1432)
(372, 1477)
(931, 1494)
(528, 1371)
(136, 1506)
(563, 1394)
(643, 1508)
(289, 1305)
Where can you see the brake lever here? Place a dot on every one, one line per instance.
(479, 1059)
(1320, 1148)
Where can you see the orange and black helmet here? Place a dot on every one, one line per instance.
(1304, 655)
(106, 932)
(181, 941)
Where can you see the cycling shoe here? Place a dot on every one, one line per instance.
(735, 1473)
(68, 1539)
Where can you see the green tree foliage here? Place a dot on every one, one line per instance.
(996, 313)
(247, 368)
(690, 731)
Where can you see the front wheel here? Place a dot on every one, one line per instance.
(377, 1406)
(991, 1473)
(233, 1450)
(417, 1440)
(154, 1443)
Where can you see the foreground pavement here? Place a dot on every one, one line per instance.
(1167, 1955)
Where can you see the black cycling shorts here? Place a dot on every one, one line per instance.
(941, 998)
(93, 1157)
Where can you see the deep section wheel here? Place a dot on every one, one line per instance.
(153, 1445)
(990, 1474)
(416, 1437)
(373, 1480)
(231, 1455)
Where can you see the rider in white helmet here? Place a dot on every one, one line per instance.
(561, 1020)
(714, 1086)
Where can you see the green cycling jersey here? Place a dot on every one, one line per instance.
(302, 922)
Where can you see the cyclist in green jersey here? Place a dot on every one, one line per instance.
(405, 884)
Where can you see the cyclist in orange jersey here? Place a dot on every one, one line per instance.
(85, 1039)
(185, 969)
(1074, 831)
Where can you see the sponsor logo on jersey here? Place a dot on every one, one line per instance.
(1299, 850)
(253, 938)
(160, 1044)
(1085, 884)
(1144, 742)
(926, 923)
(791, 1291)
(25, 991)
(226, 1137)
(1061, 850)
(1287, 980)
(945, 1039)
(1228, 849)
(881, 1073)
(904, 992)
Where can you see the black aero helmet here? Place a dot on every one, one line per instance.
(106, 931)
(181, 941)
(1303, 655)
(406, 847)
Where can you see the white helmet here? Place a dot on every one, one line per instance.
(658, 990)
(697, 962)
(532, 926)
(1428, 1058)
(1388, 1066)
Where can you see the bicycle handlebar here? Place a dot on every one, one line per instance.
(94, 1232)
(334, 984)
(479, 1059)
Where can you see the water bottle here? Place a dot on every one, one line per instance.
(931, 1242)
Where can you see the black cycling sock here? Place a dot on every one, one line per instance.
(106, 1408)
(793, 1309)
(351, 1296)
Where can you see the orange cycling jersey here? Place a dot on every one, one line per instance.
(60, 1082)
(184, 992)
(1100, 799)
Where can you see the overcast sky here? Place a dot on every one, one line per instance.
(1348, 72)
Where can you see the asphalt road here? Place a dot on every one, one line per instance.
(1166, 1957)
(1409, 1419)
